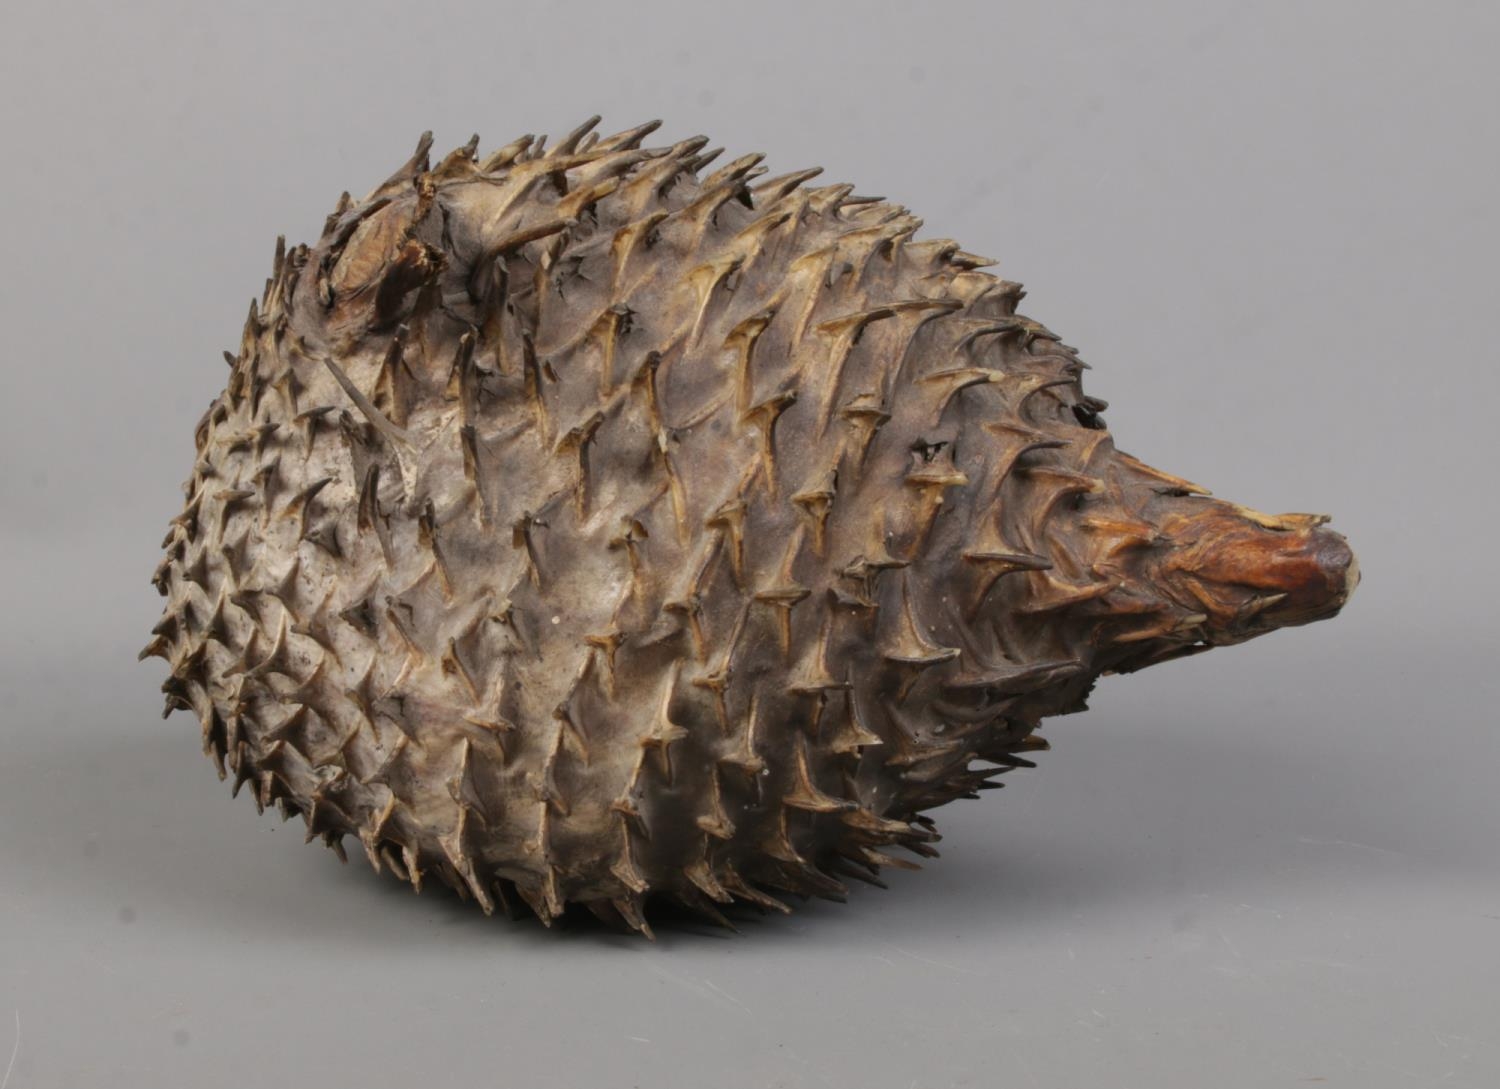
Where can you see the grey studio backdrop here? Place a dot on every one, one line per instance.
(1271, 228)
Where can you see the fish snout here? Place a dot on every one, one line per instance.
(1251, 572)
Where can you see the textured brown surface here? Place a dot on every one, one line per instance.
(579, 525)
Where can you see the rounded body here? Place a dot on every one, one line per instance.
(580, 526)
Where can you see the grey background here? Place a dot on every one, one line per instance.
(1273, 230)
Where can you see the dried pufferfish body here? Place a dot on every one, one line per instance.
(578, 526)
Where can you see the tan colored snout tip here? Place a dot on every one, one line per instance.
(1251, 572)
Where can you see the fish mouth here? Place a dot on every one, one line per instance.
(1248, 573)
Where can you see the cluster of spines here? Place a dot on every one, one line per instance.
(874, 379)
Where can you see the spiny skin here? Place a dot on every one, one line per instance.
(579, 527)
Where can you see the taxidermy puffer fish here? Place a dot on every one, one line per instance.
(581, 525)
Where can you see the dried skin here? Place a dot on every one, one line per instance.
(579, 525)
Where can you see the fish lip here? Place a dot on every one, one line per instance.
(1351, 577)
(1337, 567)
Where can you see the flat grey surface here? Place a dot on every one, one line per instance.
(1273, 231)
